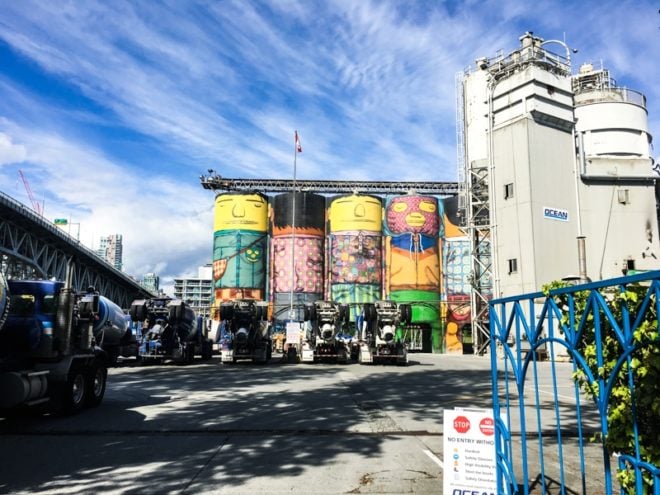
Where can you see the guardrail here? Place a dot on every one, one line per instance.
(561, 421)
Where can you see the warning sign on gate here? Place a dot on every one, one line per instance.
(469, 452)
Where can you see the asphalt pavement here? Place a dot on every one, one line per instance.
(250, 429)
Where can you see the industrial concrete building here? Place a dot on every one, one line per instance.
(197, 292)
(558, 177)
(111, 250)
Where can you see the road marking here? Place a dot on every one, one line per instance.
(560, 396)
(434, 458)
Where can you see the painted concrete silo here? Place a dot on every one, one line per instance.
(457, 264)
(240, 247)
(355, 250)
(412, 265)
(296, 256)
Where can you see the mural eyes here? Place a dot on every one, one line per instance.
(399, 207)
(427, 206)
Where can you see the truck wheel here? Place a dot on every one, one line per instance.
(207, 350)
(369, 310)
(70, 396)
(226, 311)
(309, 312)
(189, 354)
(406, 314)
(96, 381)
(113, 356)
(345, 314)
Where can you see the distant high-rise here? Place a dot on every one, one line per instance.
(198, 292)
(151, 281)
(110, 249)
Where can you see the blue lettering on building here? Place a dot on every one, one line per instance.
(555, 214)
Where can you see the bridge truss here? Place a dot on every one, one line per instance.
(32, 247)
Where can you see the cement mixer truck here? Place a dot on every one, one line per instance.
(50, 353)
(246, 331)
(170, 331)
(325, 341)
(378, 336)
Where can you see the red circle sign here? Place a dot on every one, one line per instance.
(461, 424)
(487, 426)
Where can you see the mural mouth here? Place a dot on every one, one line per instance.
(415, 220)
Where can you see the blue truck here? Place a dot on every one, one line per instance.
(247, 332)
(169, 330)
(50, 345)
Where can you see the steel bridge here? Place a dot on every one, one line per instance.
(32, 247)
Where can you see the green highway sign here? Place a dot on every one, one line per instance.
(60, 221)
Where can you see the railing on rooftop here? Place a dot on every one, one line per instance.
(610, 95)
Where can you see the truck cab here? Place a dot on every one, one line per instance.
(49, 352)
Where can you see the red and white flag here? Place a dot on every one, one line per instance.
(298, 145)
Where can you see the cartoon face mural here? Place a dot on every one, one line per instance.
(413, 214)
(356, 259)
(309, 212)
(355, 213)
(412, 247)
(241, 212)
(457, 265)
(239, 260)
(308, 264)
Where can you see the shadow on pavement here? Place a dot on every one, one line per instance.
(165, 429)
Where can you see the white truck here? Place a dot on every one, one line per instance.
(326, 341)
(378, 338)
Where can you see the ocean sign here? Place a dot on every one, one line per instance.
(555, 214)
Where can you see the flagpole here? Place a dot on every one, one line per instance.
(293, 226)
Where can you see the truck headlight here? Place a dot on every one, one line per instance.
(327, 331)
(242, 336)
(387, 333)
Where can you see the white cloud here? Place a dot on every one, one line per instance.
(143, 97)
(166, 222)
(10, 152)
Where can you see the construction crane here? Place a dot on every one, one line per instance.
(217, 182)
(35, 205)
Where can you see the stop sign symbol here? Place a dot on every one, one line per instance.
(461, 424)
(487, 426)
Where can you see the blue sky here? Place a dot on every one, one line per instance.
(112, 110)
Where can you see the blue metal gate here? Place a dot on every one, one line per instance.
(570, 372)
